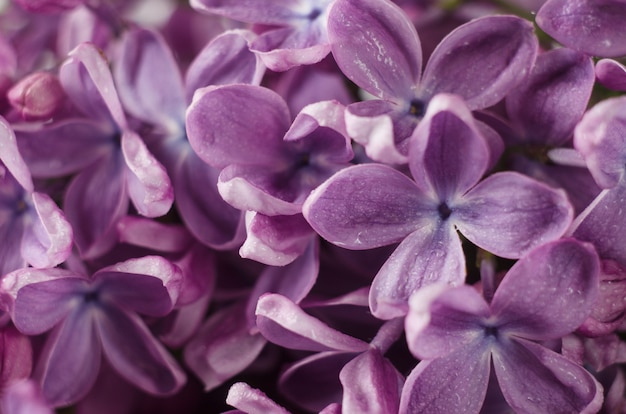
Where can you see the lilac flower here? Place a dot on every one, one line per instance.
(37, 96)
(298, 28)
(590, 26)
(377, 47)
(374, 205)
(91, 316)
(544, 296)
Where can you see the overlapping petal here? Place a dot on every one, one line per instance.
(611, 74)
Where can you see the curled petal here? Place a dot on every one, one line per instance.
(252, 401)
(611, 74)
(286, 48)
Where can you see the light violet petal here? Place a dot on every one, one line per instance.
(431, 254)
(602, 223)
(48, 240)
(367, 206)
(549, 104)
(149, 285)
(206, 215)
(508, 214)
(286, 48)
(611, 74)
(536, 379)
(250, 187)
(24, 397)
(376, 47)
(94, 201)
(11, 158)
(88, 57)
(225, 60)
(593, 27)
(241, 124)
(549, 292)
(447, 153)
(375, 124)
(371, 384)
(154, 96)
(430, 387)
(44, 298)
(275, 240)
(136, 355)
(70, 360)
(223, 347)
(149, 186)
(281, 321)
(251, 400)
(144, 232)
(271, 12)
(443, 319)
(328, 114)
(600, 138)
(482, 60)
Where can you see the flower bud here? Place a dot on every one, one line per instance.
(37, 96)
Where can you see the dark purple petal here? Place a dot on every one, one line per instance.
(11, 252)
(508, 214)
(447, 153)
(223, 347)
(482, 60)
(549, 292)
(549, 104)
(601, 139)
(241, 124)
(150, 94)
(536, 379)
(456, 383)
(136, 355)
(431, 254)
(376, 47)
(225, 60)
(594, 27)
(611, 74)
(70, 360)
(16, 362)
(442, 320)
(284, 323)
(252, 401)
(367, 206)
(371, 384)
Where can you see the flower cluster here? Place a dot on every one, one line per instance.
(328, 206)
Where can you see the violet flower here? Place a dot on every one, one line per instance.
(377, 47)
(544, 296)
(373, 205)
(91, 316)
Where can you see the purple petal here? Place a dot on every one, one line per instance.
(136, 355)
(48, 241)
(17, 357)
(508, 214)
(144, 232)
(549, 104)
(442, 320)
(24, 397)
(149, 285)
(536, 379)
(600, 137)
(367, 206)
(549, 292)
(456, 383)
(223, 347)
(590, 26)
(70, 360)
(11, 158)
(42, 298)
(611, 74)
(482, 60)
(281, 321)
(94, 201)
(241, 124)
(149, 186)
(370, 385)
(271, 12)
(154, 96)
(276, 240)
(431, 254)
(252, 401)
(447, 153)
(227, 59)
(376, 47)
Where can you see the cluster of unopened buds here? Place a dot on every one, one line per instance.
(320, 206)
